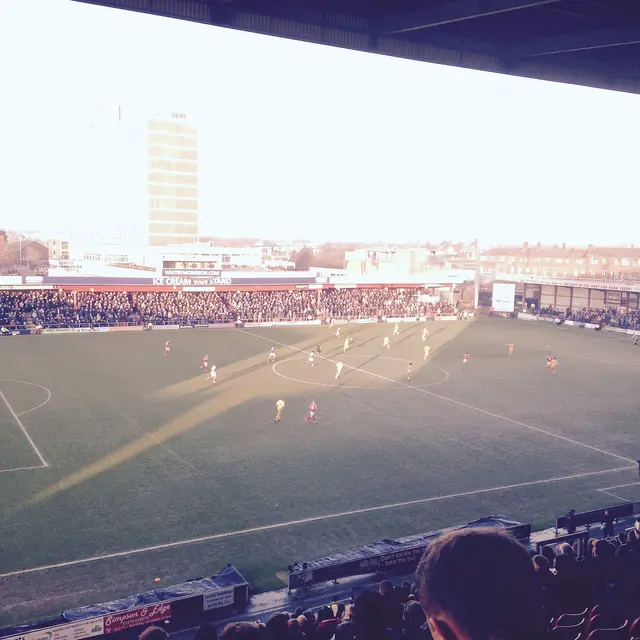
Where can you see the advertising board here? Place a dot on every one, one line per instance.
(72, 631)
(218, 599)
(504, 296)
(137, 617)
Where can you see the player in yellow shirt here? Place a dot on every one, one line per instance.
(279, 410)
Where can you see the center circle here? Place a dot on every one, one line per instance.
(384, 382)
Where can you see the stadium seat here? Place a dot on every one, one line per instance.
(568, 632)
(619, 633)
(571, 619)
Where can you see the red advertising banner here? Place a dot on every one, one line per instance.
(137, 617)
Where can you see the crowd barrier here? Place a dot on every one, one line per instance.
(587, 518)
(53, 329)
(387, 556)
(176, 606)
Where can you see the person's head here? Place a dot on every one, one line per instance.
(385, 588)
(241, 631)
(277, 626)
(479, 584)
(154, 633)
(369, 612)
(206, 632)
(413, 617)
(541, 564)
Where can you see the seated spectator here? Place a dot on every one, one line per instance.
(206, 632)
(391, 605)
(154, 633)
(414, 623)
(237, 631)
(480, 584)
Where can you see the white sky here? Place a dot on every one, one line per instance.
(298, 140)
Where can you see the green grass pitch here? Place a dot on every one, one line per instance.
(145, 455)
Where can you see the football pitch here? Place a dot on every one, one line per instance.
(119, 466)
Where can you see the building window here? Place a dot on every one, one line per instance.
(605, 261)
(547, 260)
(635, 263)
(545, 272)
(625, 262)
(593, 274)
(512, 259)
(502, 258)
(527, 270)
(558, 260)
(616, 261)
(579, 261)
(594, 260)
(523, 259)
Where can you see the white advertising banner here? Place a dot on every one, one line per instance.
(504, 296)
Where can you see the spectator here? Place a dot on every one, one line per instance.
(206, 632)
(238, 631)
(154, 633)
(414, 623)
(392, 607)
(480, 584)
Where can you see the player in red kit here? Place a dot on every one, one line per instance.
(548, 362)
(312, 413)
(205, 362)
(167, 348)
(465, 358)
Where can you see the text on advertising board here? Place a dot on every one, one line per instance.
(191, 282)
(137, 617)
(218, 599)
(73, 631)
(187, 273)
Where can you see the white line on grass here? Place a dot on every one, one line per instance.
(40, 466)
(613, 495)
(497, 416)
(303, 521)
(24, 431)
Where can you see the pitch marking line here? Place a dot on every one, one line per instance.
(497, 416)
(337, 385)
(304, 521)
(608, 490)
(24, 431)
(40, 466)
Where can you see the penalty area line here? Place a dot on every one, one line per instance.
(23, 429)
(304, 521)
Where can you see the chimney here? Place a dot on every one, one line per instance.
(590, 248)
(525, 245)
(538, 246)
(564, 246)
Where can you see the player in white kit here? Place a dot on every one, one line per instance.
(386, 342)
(272, 355)
(427, 351)
(339, 366)
(425, 333)
(396, 330)
(347, 342)
(338, 332)
(213, 375)
(311, 359)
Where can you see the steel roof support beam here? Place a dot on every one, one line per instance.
(455, 11)
(601, 39)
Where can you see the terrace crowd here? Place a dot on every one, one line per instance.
(611, 316)
(478, 584)
(67, 309)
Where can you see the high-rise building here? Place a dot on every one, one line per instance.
(172, 152)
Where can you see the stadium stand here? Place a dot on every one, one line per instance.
(57, 308)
